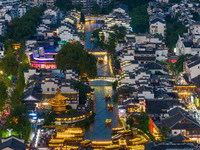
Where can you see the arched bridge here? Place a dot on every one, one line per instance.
(97, 51)
(110, 79)
(92, 17)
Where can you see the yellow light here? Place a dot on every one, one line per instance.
(45, 103)
(105, 58)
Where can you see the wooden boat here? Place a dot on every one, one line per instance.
(116, 137)
(115, 130)
(108, 122)
(100, 59)
(107, 97)
(85, 143)
(101, 144)
(112, 147)
(125, 132)
(110, 107)
(92, 40)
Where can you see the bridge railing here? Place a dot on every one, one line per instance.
(96, 50)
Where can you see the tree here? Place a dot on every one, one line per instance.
(142, 122)
(118, 32)
(24, 27)
(73, 55)
(49, 118)
(9, 63)
(16, 95)
(78, 6)
(82, 91)
(196, 16)
(82, 18)
(109, 8)
(64, 5)
(4, 78)
(179, 63)
(18, 120)
(3, 93)
(96, 9)
(140, 19)
(174, 28)
(164, 133)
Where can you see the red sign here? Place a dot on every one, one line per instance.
(150, 125)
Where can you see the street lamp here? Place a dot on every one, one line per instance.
(9, 131)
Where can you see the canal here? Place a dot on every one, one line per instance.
(97, 130)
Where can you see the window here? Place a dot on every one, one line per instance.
(47, 89)
(157, 55)
(52, 89)
(175, 132)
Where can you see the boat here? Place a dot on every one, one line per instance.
(101, 144)
(108, 122)
(112, 147)
(125, 132)
(100, 59)
(115, 130)
(85, 143)
(110, 107)
(107, 97)
(92, 39)
(116, 137)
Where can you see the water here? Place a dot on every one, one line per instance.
(103, 69)
(97, 130)
(89, 28)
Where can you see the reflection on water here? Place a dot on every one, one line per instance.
(89, 28)
(97, 130)
(103, 69)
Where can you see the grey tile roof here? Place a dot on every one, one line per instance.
(13, 144)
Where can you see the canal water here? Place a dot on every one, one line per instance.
(89, 28)
(97, 130)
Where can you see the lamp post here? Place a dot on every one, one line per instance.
(9, 131)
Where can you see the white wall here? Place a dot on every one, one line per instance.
(158, 27)
(49, 87)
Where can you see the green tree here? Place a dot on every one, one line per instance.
(140, 19)
(174, 28)
(73, 55)
(142, 122)
(164, 133)
(132, 4)
(3, 93)
(196, 16)
(4, 78)
(78, 7)
(49, 118)
(82, 91)
(9, 63)
(16, 95)
(179, 63)
(18, 120)
(24, 27)
(118, 32)
(64, 5)
(82, 18)
(109, 8)
(96, 9)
